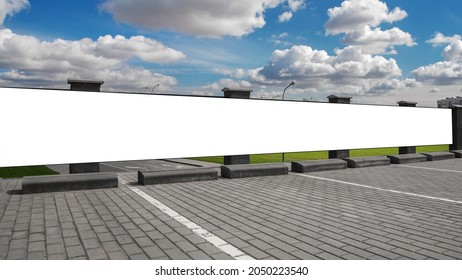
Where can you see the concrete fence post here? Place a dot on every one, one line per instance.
(340, 154)
(408, 149)
(241, 94)
(456, 128)
(84, 85)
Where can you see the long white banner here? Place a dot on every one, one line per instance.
(60, 126)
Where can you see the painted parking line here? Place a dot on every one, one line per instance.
(116, 166)
(427, 168)
(379, 189)
(216, 241)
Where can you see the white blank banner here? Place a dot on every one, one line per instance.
(54, 126)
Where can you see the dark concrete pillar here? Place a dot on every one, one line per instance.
(339, 99)
(456, 128)
(408, 149)
(241, 94)
(340, 154)
(343, 100)
(84, 167)
(236, 93)
(236, 159)
(84, 85)
(407, 104)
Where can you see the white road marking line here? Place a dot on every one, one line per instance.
(380, 189)
(115, 166)
(221, 244)
(429, 168)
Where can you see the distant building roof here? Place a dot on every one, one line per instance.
(449, 102)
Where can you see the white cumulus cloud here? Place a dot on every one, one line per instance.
(304, 62)
(11, 7)
(440, 73)
(348, 71)
(378, 41)
(204, 18)
(447, 72)
(440, 39)
(28, 60)
(144, 48)
(124, 79)
(285, 16)
(357, 69)
(353, 15)
(360, 21)
(295, 5)
(391, 85)
(21, 51)
(453, 52)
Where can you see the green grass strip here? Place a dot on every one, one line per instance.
(277, 157)
(21, 171)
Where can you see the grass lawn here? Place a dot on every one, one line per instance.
(267, 158)
(21, 171)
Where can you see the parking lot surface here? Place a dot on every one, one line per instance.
(409, 211)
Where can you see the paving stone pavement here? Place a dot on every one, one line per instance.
(277, 217)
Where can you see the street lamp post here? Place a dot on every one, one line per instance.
(152, 91)
(283, 93)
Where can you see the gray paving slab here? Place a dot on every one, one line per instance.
(384, 240)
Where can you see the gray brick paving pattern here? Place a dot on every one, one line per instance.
(278, 217)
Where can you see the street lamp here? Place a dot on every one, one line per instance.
(152, 90)
(284, 92)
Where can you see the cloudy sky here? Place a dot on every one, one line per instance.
(375, 51)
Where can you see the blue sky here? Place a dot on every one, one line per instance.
(375, 51)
